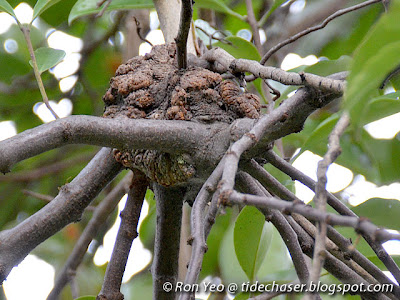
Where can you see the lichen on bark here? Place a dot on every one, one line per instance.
(152, 87)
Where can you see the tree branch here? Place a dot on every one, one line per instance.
(295, 174)
(200, 229)
(101, 213)
(126, 234)
(183, 33)
(340, 241)
(169, 203)
(315, 28)
(67, 207)
(166, 136)
(320, 198)
(311, 213)
(229, 63)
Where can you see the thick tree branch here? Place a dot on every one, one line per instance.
(183, 33)
(167, 136)
(126, 234)
(169, 203)
(100, 215)
(67, 207)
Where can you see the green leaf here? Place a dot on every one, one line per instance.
(86, 298)
(381, 107)
(240, 48)
(47, 58)
(319, 137)
(219, 6)
(5, 6)
(41, 6)
(373, 60)
(252, 237)
(89, 7)
(381, 212)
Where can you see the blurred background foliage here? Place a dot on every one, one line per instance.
(106, 41)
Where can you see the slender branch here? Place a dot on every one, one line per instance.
(101, 213)
(320, 198)
(295, 174)
(26, 31)
(169, 203)
(67, 207)
(315, 28)
(343, 243)
(360, 225)
(229, 63)
(251, 19)
(333, 265)
(126, 234)
(200, 228)
(183, 33)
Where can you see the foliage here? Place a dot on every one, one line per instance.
(242, 245)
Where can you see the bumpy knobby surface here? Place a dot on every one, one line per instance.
(152, 87)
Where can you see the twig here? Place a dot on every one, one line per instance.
(138, 31)
(295, 174)
(251, 19)
(360, 225)
(183, 33)
(199, 226)
(229, 63)
(26, 31)
(103, 210)
(39, 196)
(315, 28)
(127, 232)
(66, 208)
(106, 5)
(343, 243)
(320, 198)
(169, 203)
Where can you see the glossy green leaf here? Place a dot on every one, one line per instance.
(47, 58)
(381, 212)
(319, 137)
(240, 48)
(89, 7)
(41, 6)
(252, 237)
(6, 7)
(86, 298)
(219, 6)
(381, 107)
(375, 58)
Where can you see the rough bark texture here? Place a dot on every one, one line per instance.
(152, 87)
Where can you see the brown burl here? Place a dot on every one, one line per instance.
(152, 87)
